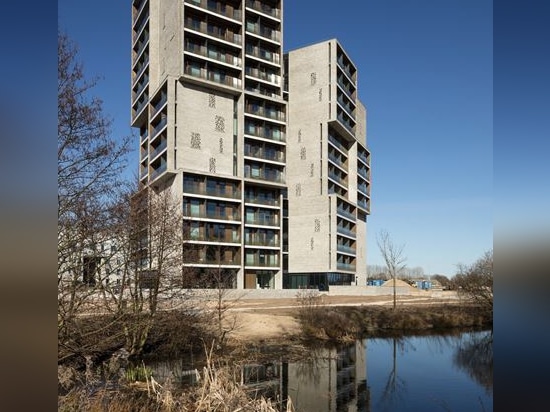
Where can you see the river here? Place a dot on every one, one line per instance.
(445, 373)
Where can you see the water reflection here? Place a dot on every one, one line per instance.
(428, 373)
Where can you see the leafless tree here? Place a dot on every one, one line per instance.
(475, 282)
(394, 258)
(149, 226)
(89, 162)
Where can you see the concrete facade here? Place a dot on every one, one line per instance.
(209, 102)
(328, 168)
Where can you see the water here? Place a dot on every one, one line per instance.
(451, 373)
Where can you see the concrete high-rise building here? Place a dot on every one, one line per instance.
(208, 100)
(328, 168)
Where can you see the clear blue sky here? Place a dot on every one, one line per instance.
(426, 78)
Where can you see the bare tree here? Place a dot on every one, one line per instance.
(475, 282)
(89, 162)
(393, 256)
(149, 226)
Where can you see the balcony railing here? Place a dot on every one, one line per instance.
(226, 237)
(345, 213)
(261, 200)
(159, 149)
(337, 160)
(263, 91)
(263, 31)
(258, 131)
(261, 153)
(213, 76)
(346, 68)
(157, 172)
(270, 114)
(233, 217)
(221, 33)
(337, 143)
(346, 249)
(158, 128)
(337, 178)
(363, 189)
(217, 7)
(158, 105)
(346, 123)
(212, 261)
(264, 8)
(274, 263)
(141, 86)
(344, 231)
(263, 54)
(214, 54)
(363, 157)
(346, 106)
(262, 220)
(140, 105)
(254, 241)
(263, 174)
(265, 76)
(346, 88)
(142, 43)
(364, 204)
(144, 136)
(140, 25)
(209, 191)
(345, 266)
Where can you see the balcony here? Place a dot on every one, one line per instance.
(346, 249)
(363, 157)
(263, 91)
(158, 171)
(140, 68)
(263, 54)
(271, 78)
(271, 175)
(263, 31)
(199, 189)
(262, 220)
(363, 172)
(159, 105)
(346, 106)
(213, 76)
(271, 133)
(363, 204)
(139, 87)
(346, 68)
(232, 216)
(261, 199)
(269, 113)
(347, 88)
(345, 266)
(261, 241)
(212, 53)
(363, 189)
(140, 24)
(144, 136)
(336, 143)
(218, 8)
(345, 121)
(345, 231)
(159, 149)
(141, 44)
(345, 213)
(337, 178)
(155, 130)
(265, 261)
(338, 160)
(221, 33)
(264, 8)
(265, 154)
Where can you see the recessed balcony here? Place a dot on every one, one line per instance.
(264, 8)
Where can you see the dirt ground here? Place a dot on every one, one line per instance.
(274, 319)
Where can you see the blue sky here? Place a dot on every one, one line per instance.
(426, 78)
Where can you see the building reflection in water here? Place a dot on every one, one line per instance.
(331, 380)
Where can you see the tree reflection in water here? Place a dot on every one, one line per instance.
(395, 387)
(474, 355)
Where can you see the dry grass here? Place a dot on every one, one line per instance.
(219, 391)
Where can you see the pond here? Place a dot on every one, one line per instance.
(452, 372)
